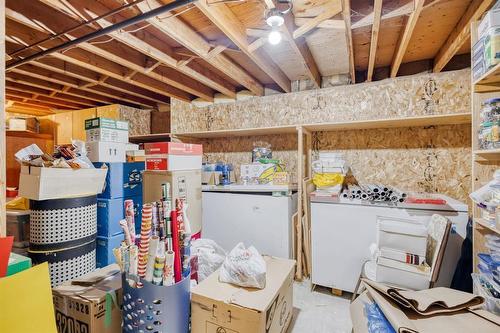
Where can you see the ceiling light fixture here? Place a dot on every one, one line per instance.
(275, 19)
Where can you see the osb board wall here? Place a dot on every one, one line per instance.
(423, 94)
(429, 159)
(139, 121)
(238, 151)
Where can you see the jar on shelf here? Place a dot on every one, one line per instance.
(486, 135)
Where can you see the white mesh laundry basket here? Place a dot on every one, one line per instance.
(63, 233)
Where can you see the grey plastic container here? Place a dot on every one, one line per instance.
(156, 309)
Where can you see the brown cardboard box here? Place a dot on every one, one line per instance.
(222, 307)
(184, 184)
(91, 303)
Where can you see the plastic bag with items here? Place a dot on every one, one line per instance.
(244, 267)
(208, 255)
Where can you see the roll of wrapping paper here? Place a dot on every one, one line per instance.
(144, 240)
(158, 269)
(125, 254)
(126, 232)
(133, 253)
(176, 247)
(130, 217)
(153, 249)
(186, 260)
(179, 207)
(168, 272)
(118, 257)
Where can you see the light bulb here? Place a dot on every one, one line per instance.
(274, 37)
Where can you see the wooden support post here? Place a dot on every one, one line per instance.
(3, 180)
(300, 176)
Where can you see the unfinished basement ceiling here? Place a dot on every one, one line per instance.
(210, 47)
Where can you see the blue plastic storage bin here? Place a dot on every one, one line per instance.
(104, 249)
(111, 211)
(122, 180)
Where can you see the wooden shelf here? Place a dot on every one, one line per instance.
(491, 79)
(449, 119)
(29, 134)
(149, 137)
(486, 225)
(290, 129)
(489, 154)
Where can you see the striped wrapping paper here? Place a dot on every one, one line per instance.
(144, 240)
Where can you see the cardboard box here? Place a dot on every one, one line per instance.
(24, 124)
(122, 180)
(223, 307)
(17, 263)
(173, 162)
(172, 156)
(265, 172)
(107, 135)
(106, 151)
(55, 183)
(101, 122)
(490, 20)
(91, 309)
(111, 211)
(184, 184)
(104, 249)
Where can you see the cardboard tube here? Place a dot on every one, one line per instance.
(176, 246)
(168, 272)
(153, 249)
(126, 232)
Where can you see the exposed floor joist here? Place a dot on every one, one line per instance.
(329, 11)
(222, 16)
(405, 37)
(460, 34)
(113, 51)
(186, 36)
(377, 13)
(299, 46)
(44, 99)
(346, 15)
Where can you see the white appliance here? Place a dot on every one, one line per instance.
(342, 231)
(252, 215)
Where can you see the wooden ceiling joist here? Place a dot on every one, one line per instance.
(40, 83)
(346, 15)
(332, 9)
(460, 33)
(377, 13)
(31, 103)
(112, 50)
(64, 67)
(89, 61)
(299, 46)
(44, 99)
(405, 37)
(48, 93)
(186, 36)
(222, 16)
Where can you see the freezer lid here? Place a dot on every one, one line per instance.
(248, 188)
(451, 204)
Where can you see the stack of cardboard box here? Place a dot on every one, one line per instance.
(107, 142)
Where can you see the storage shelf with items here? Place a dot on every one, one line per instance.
(486, 157)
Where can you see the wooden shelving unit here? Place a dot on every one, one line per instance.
(484, 162)
(149, 137)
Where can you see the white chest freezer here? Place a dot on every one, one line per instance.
(341, 233)
(252, 215)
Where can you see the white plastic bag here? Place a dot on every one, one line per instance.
(209, 256)
(244, 267)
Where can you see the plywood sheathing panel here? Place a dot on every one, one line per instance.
(329, 49)
(418, 95)
(139, 121)
(430, 159)
(433, 28)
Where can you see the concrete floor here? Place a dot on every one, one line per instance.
(319, 311)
